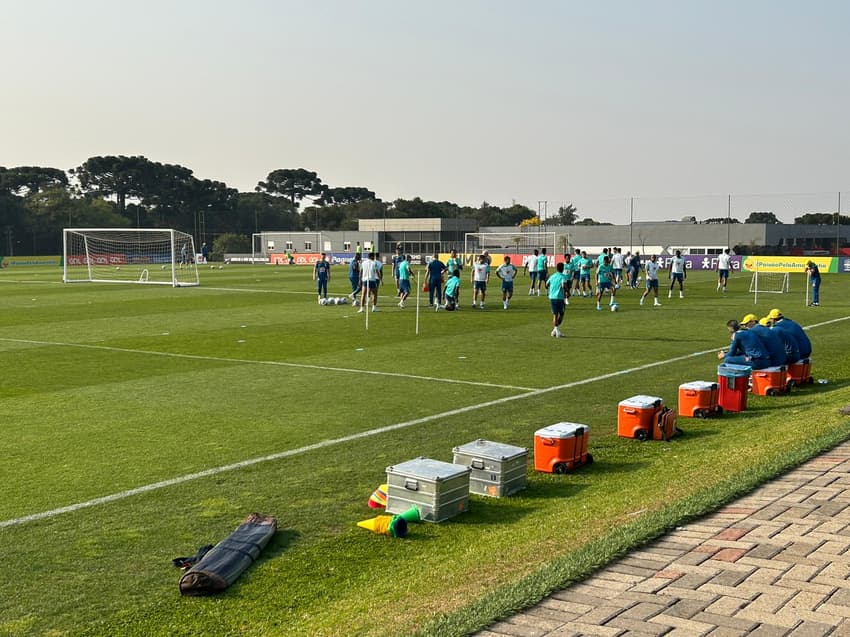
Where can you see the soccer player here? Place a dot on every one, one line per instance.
(724, 264)
(184, 255)
(354, 278)
(435, 270)
(531, 264)
(746, 348)
(576, 272)
(676, 273)
(769, 338)
(398, 257)
(322, 274)
(605, 281)
(379, 268)
(617, 265)
(404, 280)
(452, 292)
(792, 329)
(507, 273)
(814, 276)
(651, 268)
(556, 285)
(479, 278)
(585, 265)
(634, 270)
(369, 277)
(601, 258)
(454, 262)
(542, 272)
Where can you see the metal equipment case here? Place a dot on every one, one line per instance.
(498, 470)
(440, 490)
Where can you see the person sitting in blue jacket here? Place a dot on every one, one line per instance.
(769, 338)
(793, 329)
(746, 348)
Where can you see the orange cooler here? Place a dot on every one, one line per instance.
(770, 381)
(734, 385)
(800, 373)
(698, 399)
(561, 447)
(645, 418)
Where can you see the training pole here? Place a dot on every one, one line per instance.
(368, 297)
(808, 285)
(756, 295)
(418, 290)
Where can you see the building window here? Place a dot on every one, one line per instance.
(289, 245)
(346, 246)
(308, 245)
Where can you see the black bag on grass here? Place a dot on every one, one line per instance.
(228, 559)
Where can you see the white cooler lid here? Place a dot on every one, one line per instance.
(561, 430)
(641, 401)
(698, 385)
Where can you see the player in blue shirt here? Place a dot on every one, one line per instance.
(322, 274)
(814, 277)
(769, 338)
(435, 270)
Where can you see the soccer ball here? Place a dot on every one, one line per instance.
(615, 307)
(117, 267)
(221, 267)
(212, 267)
(162, 267)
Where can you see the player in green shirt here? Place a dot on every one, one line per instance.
(556, 285)
(404, 279)
(605, 281)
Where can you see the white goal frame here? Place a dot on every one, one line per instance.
(505, 242)
(784, 286)
(151, 256)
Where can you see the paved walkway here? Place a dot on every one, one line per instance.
(775, 562)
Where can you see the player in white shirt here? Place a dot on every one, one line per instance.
(369, 275)
(676, 273)
(651, 269)
(617, 263)
(480, 276)
(724, 264)
(507, 273)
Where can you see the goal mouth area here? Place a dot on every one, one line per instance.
(142, 256)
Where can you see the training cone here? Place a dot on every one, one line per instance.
(411, 516)
(392, 525)
(378, 499)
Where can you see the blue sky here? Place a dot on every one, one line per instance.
(463, 101)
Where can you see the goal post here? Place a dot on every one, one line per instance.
(123, 255)
(769, 283)
(520, 243)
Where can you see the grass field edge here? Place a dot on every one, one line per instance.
(505, 601)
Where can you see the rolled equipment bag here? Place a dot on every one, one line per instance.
(225, 562)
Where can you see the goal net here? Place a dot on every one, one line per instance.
(120, 255)
(769, 283)
(508, 242)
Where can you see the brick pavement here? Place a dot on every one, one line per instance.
(773, 563)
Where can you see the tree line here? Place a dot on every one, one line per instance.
(37, 202)
(132, 191)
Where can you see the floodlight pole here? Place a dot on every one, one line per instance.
(729, 222)
(838, 226)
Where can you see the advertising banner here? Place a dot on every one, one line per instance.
(11, 262)
(788, 264)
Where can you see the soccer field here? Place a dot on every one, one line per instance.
(142, 422)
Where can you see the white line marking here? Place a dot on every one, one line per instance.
(220, 359)
(336, 441)
(328, 443)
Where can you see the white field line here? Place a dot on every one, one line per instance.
(336, 441)
(242, 361)
(329, 443)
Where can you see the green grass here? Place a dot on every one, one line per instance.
(107, 388)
